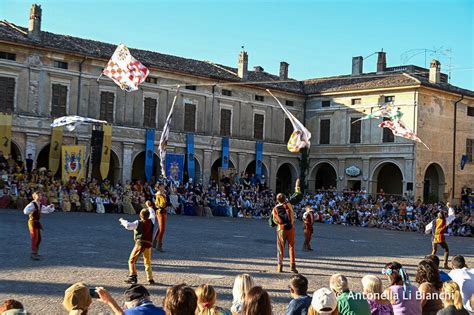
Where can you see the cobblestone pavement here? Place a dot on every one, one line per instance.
(94, 248)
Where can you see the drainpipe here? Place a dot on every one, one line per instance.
(454, 146)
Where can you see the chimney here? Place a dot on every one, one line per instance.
(243, 62)
(34, 28)
(258, 69)
(357, 64)
(435, 71)
(283, 71)
(381, 61)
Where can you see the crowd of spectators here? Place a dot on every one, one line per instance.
(454, 295)
(239, 195)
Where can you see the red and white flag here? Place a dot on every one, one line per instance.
(124, 70)
(300, 137)
(400, 130)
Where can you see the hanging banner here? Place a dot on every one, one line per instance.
(106, 147)
(97, 139)
(175, 166)
(5, 133)
(463, 161)
(259, 158)
(55, 149)
(190, 155)
(225, 153)
(149, 149)
(72, 162)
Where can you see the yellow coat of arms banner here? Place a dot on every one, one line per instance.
(5, 133)
(55, 149)
(73, 162)
(105, 157)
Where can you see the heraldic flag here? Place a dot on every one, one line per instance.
(72, 162)
(165, 134)
(300, 137)
(124, 70)
(105, 156)
(55, 149)
(5, 132)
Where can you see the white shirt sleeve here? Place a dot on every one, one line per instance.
(47, 209)
(29, 208)
(152, 215)
(129, 225)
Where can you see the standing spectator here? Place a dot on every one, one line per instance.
(301, 301)
(374, 293)
(242, 285)
(29, 163)
(427, 275)
(452, 300)
(348, 302)
(401, 293)
(180, 300)
(464, 277)
(257, 302)
(323, 303)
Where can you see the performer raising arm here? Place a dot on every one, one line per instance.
(34, 210)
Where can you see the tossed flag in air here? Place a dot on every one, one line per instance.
(124, 70)
(300, 137)
(400, 130)
(165, 134)
(71, 122)
(388, 111)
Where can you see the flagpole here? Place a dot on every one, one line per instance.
(164, 138)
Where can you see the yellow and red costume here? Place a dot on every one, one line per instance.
(34, 210)
(438, 238)
(308, 221)
(160, 204)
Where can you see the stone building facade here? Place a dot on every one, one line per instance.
(55, 74)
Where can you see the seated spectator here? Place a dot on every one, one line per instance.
(137, 301)
(401, 293)
(77, 299)
(257, 302)
(348, 302)
(442, 275)
(12, 307)
(373, 291)
(242, 285)
(180, 300)
(323, 303)
(452, 300)
(427, 275)
(464, 277)
(298, 291)
(206, 301)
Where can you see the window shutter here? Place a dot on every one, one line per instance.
(226, 115)
(190, 118)
(258, 126)
(324, 131)
(7, 94)
(355, 130)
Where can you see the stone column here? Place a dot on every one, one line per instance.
(31, 139)
(242, 161)
(273, 172)
(206, 167)
(127, 161)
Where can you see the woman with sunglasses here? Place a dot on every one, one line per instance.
(401, 293)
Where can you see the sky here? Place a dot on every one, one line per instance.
(317, 38)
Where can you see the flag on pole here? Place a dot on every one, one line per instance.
(165, 134)
(71, 122)
(388, 111)
(124, 70)
(400, 130)
(300, 137)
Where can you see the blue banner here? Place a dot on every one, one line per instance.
(149, 153)
(175, 166)
(463, 161)
(259, 158)
(225, 153)
(190, 155)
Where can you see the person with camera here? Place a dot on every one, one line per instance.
(283, 218)
(34, 210)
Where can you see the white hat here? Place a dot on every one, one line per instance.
(324, 301)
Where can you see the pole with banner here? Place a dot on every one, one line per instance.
(259, 158)
(106, 147)
(149, 149)
(55, 149)
(190, 156)
(73, 162)
(225, 153)
(5, 133)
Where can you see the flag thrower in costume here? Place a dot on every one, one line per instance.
(300, 137)
(71, 122)
(165, 134)
(124, 70)
(400, 130)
